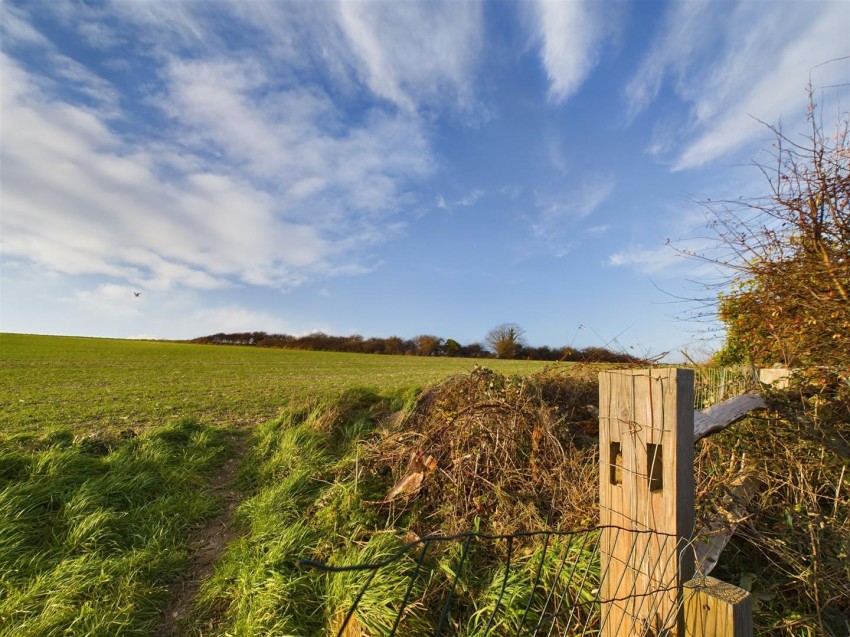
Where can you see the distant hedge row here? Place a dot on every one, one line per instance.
(423, 345)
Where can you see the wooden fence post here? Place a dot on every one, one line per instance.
(717, 609)
(646, 499)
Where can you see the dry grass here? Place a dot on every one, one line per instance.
(521, 453)
(505, 453)
(793, 550)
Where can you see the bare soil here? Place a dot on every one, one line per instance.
(209, 542)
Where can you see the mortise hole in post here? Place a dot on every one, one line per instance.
(654, 464)
(616, 463)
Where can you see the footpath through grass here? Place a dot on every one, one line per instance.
(94, 529)
(313, 497)
(107, 454)
(91, 383)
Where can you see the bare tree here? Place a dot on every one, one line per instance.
(506, 340)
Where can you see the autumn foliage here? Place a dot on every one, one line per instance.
(789, 252)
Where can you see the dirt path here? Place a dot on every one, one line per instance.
(209, 542)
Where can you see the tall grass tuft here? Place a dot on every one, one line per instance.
(380, 604)
(92, 531)
(304, 503)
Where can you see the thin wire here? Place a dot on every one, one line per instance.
(447, 608)
(554, 583)
(584, 579)
(630, 571)
(536, 582)
(609, 534)
(353, 608)
(421, 559)
(557, 608)
(504, 584)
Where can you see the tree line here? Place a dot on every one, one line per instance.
(509, 346)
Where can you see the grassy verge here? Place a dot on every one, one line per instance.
(298, 509)
(94, 529)
(315, 497)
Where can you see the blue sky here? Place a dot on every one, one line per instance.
(387, 168)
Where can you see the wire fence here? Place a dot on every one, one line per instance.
(531, 583)
(716, 384)
(609, 580)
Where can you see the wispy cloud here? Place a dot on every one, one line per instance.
(236, 319)
(104, 208)
(671, 259)
(749, 62)
(558, 210)
(571, 36)
(647, 260)
(251, 179)
(575, 202)
(293, 139)
(598, 230)
(688, 27)
(109, 299)
(415, 53)
(17, 30)
(470, 198)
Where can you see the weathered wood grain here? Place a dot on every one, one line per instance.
(717, 609)
(719, 416)
(646, 483)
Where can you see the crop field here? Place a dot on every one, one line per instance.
(88, 383)
(116, 457)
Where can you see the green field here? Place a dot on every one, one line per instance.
(113, 459)
(92, 384)
(123, 462)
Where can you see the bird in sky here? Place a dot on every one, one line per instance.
(137, 293)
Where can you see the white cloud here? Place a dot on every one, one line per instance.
(557, 206)
(552, 225)
(672, 260)
(21, 36)
(470, 198)
(571, 35)
(16, 29)
(688, 27)
(235, 319)
(598, 230)
(649, 261)
(511, 191)
(414, 53)
(292, 139)
(103, 208)
(750, 61)
(108, 299)
(252, 182)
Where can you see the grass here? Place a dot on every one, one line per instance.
(93, 530)
(311, 497)
(106, 448)
(297, 509)
(89, 383)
